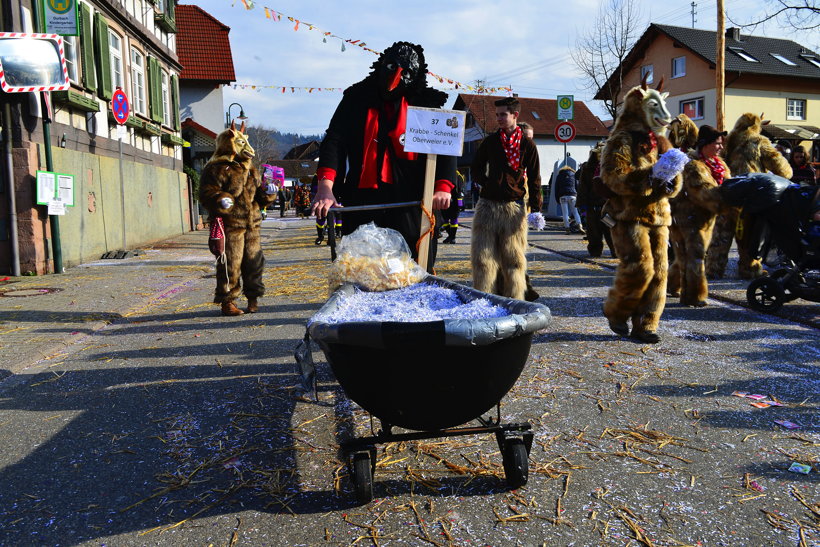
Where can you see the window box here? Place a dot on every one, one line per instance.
(152, 129)
(76, 100)
(168, 138)
(133, 122)
(165, 22)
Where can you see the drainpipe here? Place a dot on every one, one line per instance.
(9, 164)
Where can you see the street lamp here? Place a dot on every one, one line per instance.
(242, 115)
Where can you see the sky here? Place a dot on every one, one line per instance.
(525, 44)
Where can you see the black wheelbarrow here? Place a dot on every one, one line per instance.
(430, 377)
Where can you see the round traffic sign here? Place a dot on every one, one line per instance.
(564, 132)
(120, 106)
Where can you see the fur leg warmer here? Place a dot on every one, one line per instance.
(723, 235)
(498, 247)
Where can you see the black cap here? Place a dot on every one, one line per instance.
(708, 134)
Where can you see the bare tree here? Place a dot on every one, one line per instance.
(601, 49)
(796, 14)
(263, 142)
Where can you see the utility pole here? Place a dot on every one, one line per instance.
(720, 47)
(694, 12)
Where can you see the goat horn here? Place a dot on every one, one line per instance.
(242, 127)
(233, 125)
(643, 80)
(660, 85)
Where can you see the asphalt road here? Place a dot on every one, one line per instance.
(132, 413)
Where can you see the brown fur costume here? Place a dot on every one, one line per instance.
(498, 245)
(229, 174)
(640, 208)
(747, 151)
(683, 133)
(693, 219)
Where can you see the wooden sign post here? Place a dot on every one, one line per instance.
(434, 132)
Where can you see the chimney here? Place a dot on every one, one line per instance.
(733, 33)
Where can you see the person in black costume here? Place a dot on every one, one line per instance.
(362, 157)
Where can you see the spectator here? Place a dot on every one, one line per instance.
(566, 193)
(803, 172)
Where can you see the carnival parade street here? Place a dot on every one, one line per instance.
(133, 413)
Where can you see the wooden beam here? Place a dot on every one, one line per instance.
(720, 68)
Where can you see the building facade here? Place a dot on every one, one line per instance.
(129, 189)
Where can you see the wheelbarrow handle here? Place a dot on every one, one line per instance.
(356, 208)
(333, 211)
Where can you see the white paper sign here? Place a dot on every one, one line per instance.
(122, 132)
(434, 131)
(56, 207)
(46, 183)
(65, 189)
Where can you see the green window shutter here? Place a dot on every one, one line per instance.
(171, 10)
(152, 96)
(104, 89)
(156, 91)
(175, 102)
(87, 47)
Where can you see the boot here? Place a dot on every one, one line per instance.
(451, 235)
(530, 295)
(320, 235)
(645, 336)
(230, 309)
(253, 305)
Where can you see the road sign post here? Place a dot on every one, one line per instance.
(121, 109)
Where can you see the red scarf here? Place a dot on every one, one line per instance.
(512, 147)
(716, 167)
(371, 174)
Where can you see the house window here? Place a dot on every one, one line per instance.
(535, 115)
(782, 59)
(692, 108)
(137, 81)
(647, 71)
(115, 51)
(743, 54)
(70, 50)
(795, 109)
(813, 60)
(166, 99)
(678, 67)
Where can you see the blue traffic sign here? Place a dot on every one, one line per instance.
(120, 106)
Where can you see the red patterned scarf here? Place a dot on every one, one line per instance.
(716, 167)
(512, 147)
(371, 174)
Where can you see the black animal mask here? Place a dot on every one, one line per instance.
(400, 68)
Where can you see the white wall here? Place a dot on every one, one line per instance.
(204, 105)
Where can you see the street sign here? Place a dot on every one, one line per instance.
(120, 106)
(564, 132)
(434, 131)
(61, 17)
(566, 107)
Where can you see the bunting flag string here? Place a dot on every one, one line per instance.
(298, 24)
(285, 88)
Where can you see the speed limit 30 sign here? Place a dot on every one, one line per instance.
(564, 132)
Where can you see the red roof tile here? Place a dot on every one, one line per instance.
(203, 46)
(190, 123)
(482, 108)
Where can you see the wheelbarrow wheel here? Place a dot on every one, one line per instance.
(765, 294)
(363, 477)
(516, 462)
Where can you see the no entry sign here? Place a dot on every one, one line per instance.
(564, 132)
(120, 107)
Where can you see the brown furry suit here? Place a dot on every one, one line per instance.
(498, 246)
(229, 174)
(747, 151)
(693, 219)
(641, 210)
(683, 133)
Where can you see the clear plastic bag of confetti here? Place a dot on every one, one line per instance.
(376, 259)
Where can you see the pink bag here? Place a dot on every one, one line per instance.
(216, 242)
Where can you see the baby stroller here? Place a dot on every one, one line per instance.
(785, 211)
